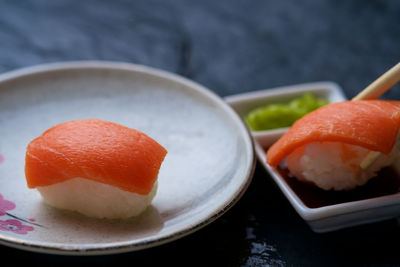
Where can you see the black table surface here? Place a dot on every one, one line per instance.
(230, 47)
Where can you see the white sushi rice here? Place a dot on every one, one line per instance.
(95, 199)
(329, 166)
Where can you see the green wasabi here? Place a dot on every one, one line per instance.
(275, 116)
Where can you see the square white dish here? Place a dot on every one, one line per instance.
(326, 215)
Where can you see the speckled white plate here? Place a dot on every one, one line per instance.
(208, 167)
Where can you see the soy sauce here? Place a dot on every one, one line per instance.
(387, 182)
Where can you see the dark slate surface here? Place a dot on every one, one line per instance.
(230, 47)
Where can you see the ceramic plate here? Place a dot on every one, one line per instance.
(323, 211)
(208, 167)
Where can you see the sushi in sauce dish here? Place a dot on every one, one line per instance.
(98, 168)
(331, 146)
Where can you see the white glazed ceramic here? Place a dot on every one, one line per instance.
(325, 218)
(209, 164)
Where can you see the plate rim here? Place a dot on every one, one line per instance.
(151, 241)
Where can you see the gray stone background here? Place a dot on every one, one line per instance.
(230, 47)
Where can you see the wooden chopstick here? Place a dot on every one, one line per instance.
(381, 85)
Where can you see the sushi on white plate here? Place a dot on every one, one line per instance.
(98, 168)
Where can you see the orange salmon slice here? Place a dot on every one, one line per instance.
(372, 124)
(94, 149)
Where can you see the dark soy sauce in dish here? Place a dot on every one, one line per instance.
(385, 183)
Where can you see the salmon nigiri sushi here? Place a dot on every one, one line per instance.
(98, 168)
(328, 146)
